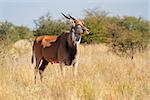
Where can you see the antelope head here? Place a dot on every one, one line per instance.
(78, 26)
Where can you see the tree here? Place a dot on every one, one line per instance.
(130, 34)
(23, 32)
(45, 25)
(96, 21)
(124, 35)
(5, 29)
(10, 33)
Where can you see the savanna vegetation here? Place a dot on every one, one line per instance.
(106, 71)
(102, 75)
(124, 35)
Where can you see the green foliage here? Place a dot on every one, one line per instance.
(45, 25)
(129, 35)
(5, 29)
(96, 22)
(23, 32)
(10, 33)
(125, 35)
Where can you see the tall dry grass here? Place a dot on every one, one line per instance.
(101, 76)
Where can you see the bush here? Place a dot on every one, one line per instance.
(125, 35)
(45, 25)
(10, 33)
(96, 21)
(131, 35)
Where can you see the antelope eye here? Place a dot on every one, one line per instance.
(79, 25)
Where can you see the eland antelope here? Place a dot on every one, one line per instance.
(63, 49)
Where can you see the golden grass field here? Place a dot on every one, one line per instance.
(101, 76)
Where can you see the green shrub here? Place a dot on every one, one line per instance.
(10, 33)
(125, 35)
(45, 25)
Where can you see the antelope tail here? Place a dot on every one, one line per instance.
(32, 59)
